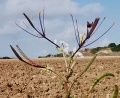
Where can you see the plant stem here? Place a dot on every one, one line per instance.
(51, 42)
(65, 62)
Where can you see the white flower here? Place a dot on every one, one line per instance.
(78, 54)
(64, 49)
(64, 46)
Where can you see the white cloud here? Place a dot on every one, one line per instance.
(69, 32)
(57, 20)
(91, 9)
(13, 9)
(53, 7)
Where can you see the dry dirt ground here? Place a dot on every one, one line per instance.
(19, 80)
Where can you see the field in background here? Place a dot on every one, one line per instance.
(18, 80)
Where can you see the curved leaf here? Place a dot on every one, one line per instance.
(89, 64)
(115, 94)
(98, 79)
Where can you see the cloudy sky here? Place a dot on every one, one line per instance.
(58, 23)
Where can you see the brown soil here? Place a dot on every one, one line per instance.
(18, 80)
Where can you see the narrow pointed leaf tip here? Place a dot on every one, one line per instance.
(98, 79)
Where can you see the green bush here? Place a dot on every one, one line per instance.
(112, 45)
(116, 48)
(95, 50)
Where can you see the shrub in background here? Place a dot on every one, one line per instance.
(116, 48)
(112, 45)
(95, 50)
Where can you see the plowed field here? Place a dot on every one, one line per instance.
(19, 80)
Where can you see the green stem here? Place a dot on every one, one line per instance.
(98, 79)
(115, 94)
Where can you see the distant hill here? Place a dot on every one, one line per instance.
(111, 50)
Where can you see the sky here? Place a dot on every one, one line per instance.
(58, 24)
